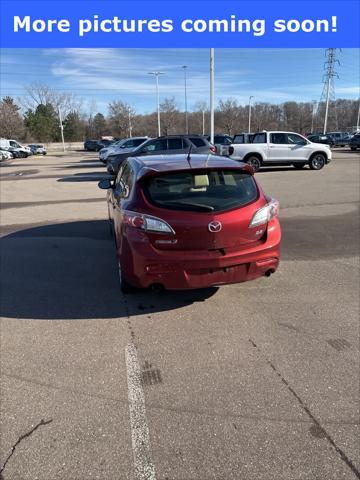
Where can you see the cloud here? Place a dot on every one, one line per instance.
(351, 90)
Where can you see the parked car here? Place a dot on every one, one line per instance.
(37, 149)
(319, 138)
(221, 143)
(92, 145)
(191, 221)
(354, 143)
(281, 148)
(104, 143)
(6, 155)
(171, 144)
(341, 139)
(14, 146)
(126, 144)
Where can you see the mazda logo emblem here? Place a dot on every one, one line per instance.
(215, 226)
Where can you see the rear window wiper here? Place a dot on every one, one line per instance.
(206, 208)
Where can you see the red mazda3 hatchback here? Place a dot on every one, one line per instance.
(184, 222)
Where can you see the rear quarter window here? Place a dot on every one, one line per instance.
(238, 139)
(259, 138)
(198, 142)
(202, 191)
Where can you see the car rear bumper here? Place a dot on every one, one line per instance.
(144, 266)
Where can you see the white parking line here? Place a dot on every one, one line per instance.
(144, 468)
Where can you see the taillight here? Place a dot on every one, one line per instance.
(265, 214)
(213, 148)
(231, 150)
(146, 222)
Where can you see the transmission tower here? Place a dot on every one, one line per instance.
(328, 93)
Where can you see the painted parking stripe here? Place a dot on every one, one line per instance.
(144, 468)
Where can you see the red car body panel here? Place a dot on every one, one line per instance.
(193, 257)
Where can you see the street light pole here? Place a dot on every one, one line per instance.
(130, 126)
(212, 94)
(249, 127)
(61, 129)
(156, 74)
(186, 110)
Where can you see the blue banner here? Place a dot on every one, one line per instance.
(185, 24)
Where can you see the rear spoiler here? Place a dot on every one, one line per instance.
(151, 172)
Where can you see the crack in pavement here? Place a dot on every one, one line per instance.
(306, 409)
(19, 440)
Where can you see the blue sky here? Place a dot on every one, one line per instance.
(101, 75)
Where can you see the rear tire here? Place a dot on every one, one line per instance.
(298, 166)
(255, 162)
(317, 161)
(353, 149)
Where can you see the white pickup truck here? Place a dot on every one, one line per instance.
(281, 148)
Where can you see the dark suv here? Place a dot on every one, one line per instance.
(354, 142)
(166, 145)
(92, 145)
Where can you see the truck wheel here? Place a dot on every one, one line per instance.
(317, 161)
(255, 162)
(298, 166)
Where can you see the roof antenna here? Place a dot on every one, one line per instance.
(188, 158)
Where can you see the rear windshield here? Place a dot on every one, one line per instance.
(201, 191)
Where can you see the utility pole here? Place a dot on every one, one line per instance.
(203, 122)
(212, 94)
(61, 129)
(156, 74)
(186, 110)
(130, 126)
(249, 127)
(358, 118)
(328, 93)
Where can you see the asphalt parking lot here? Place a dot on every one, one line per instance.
(256, 381)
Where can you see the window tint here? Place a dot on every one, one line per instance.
(138, 141)
(239, 139)
(259, 138)
(278, 138)
(126, 180)
(175, 144)
(295, 139)
(128, 144)
(156, 145)
(198, 142)
(222, 139)
(203, 191)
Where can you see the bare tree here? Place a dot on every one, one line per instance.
(170, 115)
(198, 119)
(41, 94)
(120, 113)
(228, 115)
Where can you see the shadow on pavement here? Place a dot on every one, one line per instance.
(68, 271)
(86, 177)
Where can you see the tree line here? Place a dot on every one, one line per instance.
(37, 117)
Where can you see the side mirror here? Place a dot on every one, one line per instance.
(105, 184)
